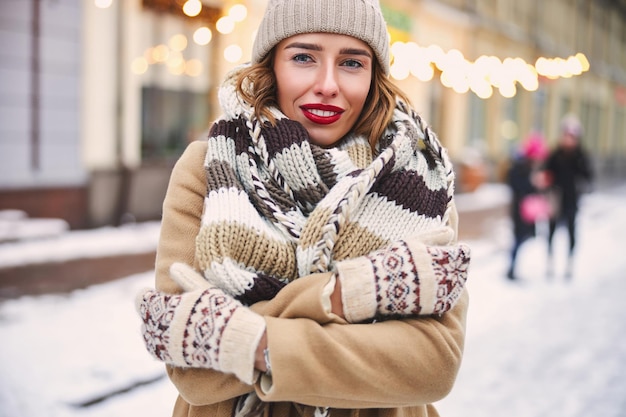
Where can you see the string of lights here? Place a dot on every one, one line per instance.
(482, 76)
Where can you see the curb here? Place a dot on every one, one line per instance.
(66, 276)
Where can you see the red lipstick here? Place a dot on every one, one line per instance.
(322, 114)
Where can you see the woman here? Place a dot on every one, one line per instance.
(320, 215)
(527, 182)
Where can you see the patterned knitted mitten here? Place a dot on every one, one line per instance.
(406, 279)
(203, 328)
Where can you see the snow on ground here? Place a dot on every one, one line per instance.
(15, 224)
(59, 351)
(56, 247)
(537, 347)
(546, 345)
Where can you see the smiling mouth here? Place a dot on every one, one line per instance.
(322, 116)
(323, 113)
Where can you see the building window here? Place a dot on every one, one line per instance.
(170, 120)
(175, 78)
(477, 129)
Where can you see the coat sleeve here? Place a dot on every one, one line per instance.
(323, 361)
(393, 363)
(182, 213)
(317, 358)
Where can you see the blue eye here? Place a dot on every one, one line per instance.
(302, 58)
(353, 63)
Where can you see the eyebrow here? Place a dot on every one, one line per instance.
(316, 47)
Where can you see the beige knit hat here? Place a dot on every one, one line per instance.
(361, 19)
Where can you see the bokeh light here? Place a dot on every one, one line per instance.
(483, 75)
(192, 7)
(238, 12)
(178, 42)
(233, 53)
(225, 25)
(202, 35)
(103, 4)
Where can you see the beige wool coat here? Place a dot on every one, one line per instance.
(390, 368)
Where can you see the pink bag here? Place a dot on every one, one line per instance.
(535, 207)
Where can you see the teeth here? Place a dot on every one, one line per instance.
(322, 113)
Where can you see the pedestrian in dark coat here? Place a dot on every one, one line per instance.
(570, 170)
(525, 180)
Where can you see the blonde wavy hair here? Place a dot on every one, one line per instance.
(256, 84)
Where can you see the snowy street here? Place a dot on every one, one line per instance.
(541, 346)
(548, 346)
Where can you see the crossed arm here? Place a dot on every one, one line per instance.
(311, 339)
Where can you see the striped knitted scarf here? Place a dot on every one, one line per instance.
(278, 207)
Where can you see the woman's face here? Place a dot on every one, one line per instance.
(322, 82)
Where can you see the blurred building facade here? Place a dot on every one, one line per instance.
(98, 98)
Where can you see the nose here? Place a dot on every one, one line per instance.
(327, 83)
